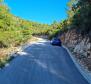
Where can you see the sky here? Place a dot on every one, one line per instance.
(43, 11)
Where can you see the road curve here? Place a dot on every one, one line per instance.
(42, 63)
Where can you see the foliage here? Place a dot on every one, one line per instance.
(14, 30)
(59, 28)
(82, 17)
(4, 60)
(79, 17)
(81, 20)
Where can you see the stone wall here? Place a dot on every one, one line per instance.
(79, 46)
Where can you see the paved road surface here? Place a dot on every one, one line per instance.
(42, 63)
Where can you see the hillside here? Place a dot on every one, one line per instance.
(75, 31)
(15, 31)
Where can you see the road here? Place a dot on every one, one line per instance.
(42, 63)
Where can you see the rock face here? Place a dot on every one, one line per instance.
(79, 46)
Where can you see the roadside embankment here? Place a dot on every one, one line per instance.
(6, 54)
(80, 49)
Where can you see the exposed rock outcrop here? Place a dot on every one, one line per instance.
(79, 46)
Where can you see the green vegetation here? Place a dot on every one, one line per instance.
(4, 60)
(15, 31)
(79, 18)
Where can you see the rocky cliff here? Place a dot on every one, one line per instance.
(79, 46)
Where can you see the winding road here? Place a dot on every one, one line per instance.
(42, 63)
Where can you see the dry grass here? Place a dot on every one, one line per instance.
(5, 53)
